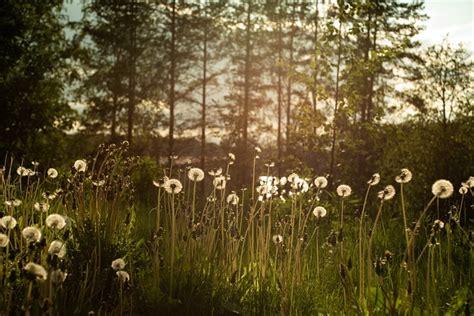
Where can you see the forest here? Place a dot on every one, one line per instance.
(234, 157)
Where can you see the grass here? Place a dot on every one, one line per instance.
(260, 251)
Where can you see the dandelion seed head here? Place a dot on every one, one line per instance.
(231, 157)
(58, 277)
(80, 165)
(4, 240)
(55, 221)
(219, 182)
(24, 172)
(387, 194)
(302, 185)
(320, 182)
(35, 163)
(343, 190)
(319, 212)
(437, 225)
(470, 182)
(374, 180)
(233, 199)
(196, 174)
(283, 180)
(31, 234)
(292, 178)
(258, 150)
(118, 264)
(277, 239)
(98, 183)
(160, 182)
(173, 186)
(215, 173)
(8, 222)
(57, 248)
(37, 271)
(442, 189)
(41, 206)
(52, 173)
(123, 276)
(463, 189)
(405, 176)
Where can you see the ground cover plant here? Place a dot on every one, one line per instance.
(77, 241)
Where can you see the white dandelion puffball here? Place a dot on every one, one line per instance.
(57, 276)
(118, 264)
(463, 189)
(470, 182)
(55, 221)
(160, 183)
(4, 240)
(41, 206)
(343, 190)
(277, 239)
(232, 199)
(320, 182)
(123, 276)
(52, 173)
(231, 157)
(23, 172)
(8, 222)
(442, 189)
(36, 270)
(173, 186)
(374, 180)
(319, 212)
(57, 248)
(215, 173)
(258, 150)
(80, 165)
(405, 176)
(196, 174)
(293, 177)
(387, 194)
(219, 182)
(31, 234)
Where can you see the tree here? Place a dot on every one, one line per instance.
(33, 69)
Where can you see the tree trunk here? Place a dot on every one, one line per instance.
(172, 81)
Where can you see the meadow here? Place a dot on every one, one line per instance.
(81, 240)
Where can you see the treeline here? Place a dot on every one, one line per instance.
(311, 81)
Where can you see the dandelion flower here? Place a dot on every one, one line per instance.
(463, 189)
(442, 189)
(8, 222)
(293, 177)
(16, 202)
(22, 171)
(277, 239)
(123, 276)
(4, 240)
(219, 182)
(31, 234)
(320, 182)
(387, 194)
(470, 182)
(258, 150)
(319, 212)
(118, 264)
(215, 173)
(80, 165)
(405, 176)
(41, 206)
(437, 225)
(55, 221)
(52, 173)
(196, 174)
(374, 180)
(98, 183)
(303, 185)
(283, 180)
(37, 271)
(160, 182)
(57, 276)
(233, 199)
(343, 190)
(173, 186)
(231, 157)
(57, 248)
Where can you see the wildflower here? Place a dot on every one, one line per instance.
(319, 212)
(437, 225)
(442, 189)
(277, 239)
(344, 190)
(404, 177)
(302, 185)
(22, 171)
(160, 182)
(283, 180)
(4, 240)
(31, 234)
(387, 194)
(374, 180)
(118, 264)
(35, 163)
(123, 276)
(219, 182)
(270, 165)
(320, 182)
(293, 177)
(57, 248)
(231, 157)
(80, 165)
(463, 189)
(257, 149)
(196, 174)
(57, 276)
(13, 203)
(52, 173)
(470, 182)
(173, 186)
(233, 199)
(37, 271)
(8, 222)
(98, 183)
(55, 221)
(41, 206)
(215, 173)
